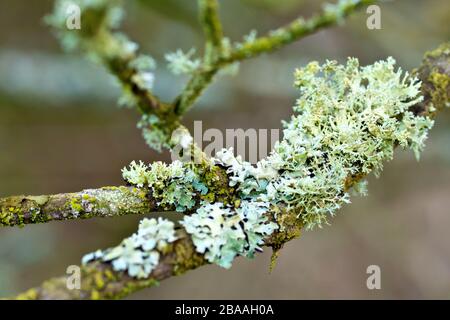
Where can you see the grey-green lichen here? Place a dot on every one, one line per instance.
(347, 122)
(139, 254)
(175, 185)
(222, 232)
(182, 63)
(154, 131)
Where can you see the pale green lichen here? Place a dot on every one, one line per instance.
(136, 174)
(154, 131)
(139, 254)
(221, 232)
(179, 62)
(348, 121)
(174, 185)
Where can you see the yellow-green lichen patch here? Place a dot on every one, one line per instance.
(31, 294)
(435, 80)
(75, 206)
(440, 93)
(185, 257)
(174, 186)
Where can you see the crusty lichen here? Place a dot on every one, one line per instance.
(435, 81)
(17, 211)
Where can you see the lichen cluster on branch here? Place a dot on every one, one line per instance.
(346, 123)
(139, 254)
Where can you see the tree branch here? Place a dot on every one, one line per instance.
(99, 38)
(212, 27)
(100, 281)
(90, 203)
(275, 39)
(297, 29)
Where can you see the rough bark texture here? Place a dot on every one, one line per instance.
(90, 203)
(99, 281)
(435, 76)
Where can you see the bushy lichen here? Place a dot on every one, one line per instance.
(139, 254)
(347, 121)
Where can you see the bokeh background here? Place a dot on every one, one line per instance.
(60, 131)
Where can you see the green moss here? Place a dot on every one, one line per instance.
(442, 50)
(436, 80)
(131, 287)
(12, 216)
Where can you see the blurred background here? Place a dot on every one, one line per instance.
(61, 131)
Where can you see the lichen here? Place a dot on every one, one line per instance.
(154, 131)
(174, 185)
(221, 233)
(182, 63)
(75, 206)
(347, 122)
(139, 254)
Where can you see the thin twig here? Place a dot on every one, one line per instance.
(90, 203)
(212, 27)
(275, 39)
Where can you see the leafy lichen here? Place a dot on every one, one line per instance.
(174, 185)
(139, 254)
(222, 233)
